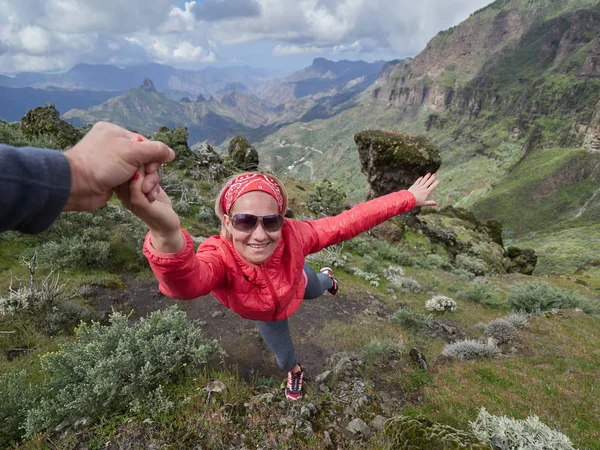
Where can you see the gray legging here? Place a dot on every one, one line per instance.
(277, 334)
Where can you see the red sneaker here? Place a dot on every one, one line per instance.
(333, 290)
(293, 390)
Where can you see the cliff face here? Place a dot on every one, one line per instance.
(501, 59)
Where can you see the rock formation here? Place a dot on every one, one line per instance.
(393, 161)
(148, 85)
(519, 260)
(45, 120)
(242, 154)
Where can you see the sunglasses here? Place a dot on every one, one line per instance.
(248, 222)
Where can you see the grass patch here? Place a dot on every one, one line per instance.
(557, 382)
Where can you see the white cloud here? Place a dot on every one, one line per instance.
(56, 34)
(400, 26)
(287, 50)
(48, 35)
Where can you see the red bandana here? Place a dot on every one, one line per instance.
(247, 183)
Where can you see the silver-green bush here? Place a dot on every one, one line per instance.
(472, 264)
(518, 319)
(530, 433)
(109, 369)
(471, 349)
(440, 303)
(532, 297)
(18, 395)
(421, 433)
(501, 330)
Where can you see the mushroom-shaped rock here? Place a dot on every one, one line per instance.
(392, 160)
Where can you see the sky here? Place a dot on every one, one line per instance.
(278, 35)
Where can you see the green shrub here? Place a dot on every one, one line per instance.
(109, 237)
(110, 369)
(12, 134)
(483, 294)
(413, 319)
(472, 264)
(376, 349)
(370, 264)
(518, 434)
(360, 245)
(76, 252)
(327, 199)
(18, 396)
(531, 297)
(182, 208)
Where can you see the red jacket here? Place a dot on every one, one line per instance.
(273, 290)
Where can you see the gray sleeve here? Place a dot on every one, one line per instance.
(34, 187)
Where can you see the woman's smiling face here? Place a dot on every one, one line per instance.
(258, 245)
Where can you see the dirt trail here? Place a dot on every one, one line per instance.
(245, 349)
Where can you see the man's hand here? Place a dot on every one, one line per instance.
(107, 157)
(422, 188)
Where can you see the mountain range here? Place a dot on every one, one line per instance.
(320, 91)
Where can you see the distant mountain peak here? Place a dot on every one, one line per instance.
(148, 85)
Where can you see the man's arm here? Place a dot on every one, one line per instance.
(34, 187)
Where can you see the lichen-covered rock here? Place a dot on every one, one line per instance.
(45, 120)
(520, 260)
(465, 237)
(242, 154)
(421, 433)
(206, 155)
(359, 427)
(393, 161)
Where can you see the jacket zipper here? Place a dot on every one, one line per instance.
(270, 286)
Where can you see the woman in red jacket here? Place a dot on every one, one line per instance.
(256, 267)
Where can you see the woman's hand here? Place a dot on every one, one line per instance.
(422, 188)
(158, 215)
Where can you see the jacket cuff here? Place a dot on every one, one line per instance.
(156, 256)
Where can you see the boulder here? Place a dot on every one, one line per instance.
(393, 161)
(519, 260)
(359, 427)
(242, 154)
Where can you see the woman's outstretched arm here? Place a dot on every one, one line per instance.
(321, 233)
